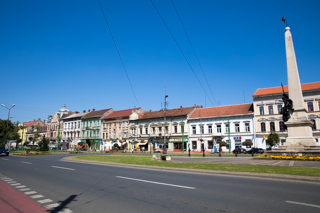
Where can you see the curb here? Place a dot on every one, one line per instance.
(246, 174)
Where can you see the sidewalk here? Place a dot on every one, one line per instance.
(13, 201)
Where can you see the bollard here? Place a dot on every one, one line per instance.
(219, 154)
(252, 153)
(236, 154)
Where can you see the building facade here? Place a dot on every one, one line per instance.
(91, 127)
(149, 131)
(267, 107)
(115, 128)
(233, 124)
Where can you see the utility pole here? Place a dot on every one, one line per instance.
(164, 135)
(229, 136)
(58, 133)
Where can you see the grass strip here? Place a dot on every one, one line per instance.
(149, 161)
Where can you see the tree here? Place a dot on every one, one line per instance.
(273, 139)
(43, 144)
(222, 143)
(247, 143)
(36, 134)
(12, 131)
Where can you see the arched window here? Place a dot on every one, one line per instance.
(263, 127)
(272, 127)
(314, 126)
(310, 106)
(282, 127)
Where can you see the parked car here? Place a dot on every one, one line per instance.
(4, 151)
(255, 150)
(239, 150)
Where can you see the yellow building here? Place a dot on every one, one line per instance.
(267, 104)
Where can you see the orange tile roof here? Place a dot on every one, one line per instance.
(239, 109)
(29, 123)
(95, 113)
(120, 113)
(170, 113)
(277, 90)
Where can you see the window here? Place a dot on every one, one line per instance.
(219, 128)
(282, 127)
(153, 130)
(270, 108)
(201, 129)
(310, 106)
(175, 129)
(314, 127)
(279, 109)
(237, 127)
(319, 106)
(140, 131)
(194, 145)
(159, 130)
(227, 127)
(146, 130)
(247, 125)
(210, 129)
(166, 129)
(261, 109)
(194, 130)
(263, 127)
(272, 127)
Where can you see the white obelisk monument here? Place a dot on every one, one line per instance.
(299, 126)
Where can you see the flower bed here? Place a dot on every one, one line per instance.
(306, 158)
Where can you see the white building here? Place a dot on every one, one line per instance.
(209, 125)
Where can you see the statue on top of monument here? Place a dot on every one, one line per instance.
(287, 110)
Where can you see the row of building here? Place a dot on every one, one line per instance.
(182, 128)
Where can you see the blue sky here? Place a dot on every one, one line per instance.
(61, 52)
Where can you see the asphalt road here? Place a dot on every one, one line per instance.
(79, 187)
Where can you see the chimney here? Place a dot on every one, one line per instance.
(88, 110)
(93, 110)
(195, 105)
(150, 110)
(180, 107)
(84, 111)
(34, 119)
(39, 119)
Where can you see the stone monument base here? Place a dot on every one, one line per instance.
(313, 151)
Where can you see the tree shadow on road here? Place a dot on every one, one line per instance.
(63, 204)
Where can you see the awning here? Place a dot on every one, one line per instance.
(142, 143)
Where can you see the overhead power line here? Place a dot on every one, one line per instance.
(115, 44)
(185, 58)
(194, 52)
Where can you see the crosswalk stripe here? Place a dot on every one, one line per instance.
(44, 201)
(36, 196)
(31, 192)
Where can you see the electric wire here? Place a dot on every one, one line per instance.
(115, 44)
(180, 50)
(194, 52)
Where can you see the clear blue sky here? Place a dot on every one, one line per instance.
(61, 52)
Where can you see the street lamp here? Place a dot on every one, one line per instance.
(7, 120)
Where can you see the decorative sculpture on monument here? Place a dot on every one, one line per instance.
(287, 110)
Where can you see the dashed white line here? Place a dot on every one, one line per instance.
(15, 184)
(58, 167)
(31, 192)
(44, 201)
(147, 181)
(303, 204)
(22, 186)
(36, 196)
(52, 205)
(26, 162)
(24, 189)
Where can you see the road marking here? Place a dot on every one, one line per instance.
(277, 163)
(44, 201)
(7, 179)
(31, 192)
(26, 162)
(22, 186)
(5, 159)
(58, 167)
(24, 189)
(65, 211)
(52, 206)
(291, 163)
(12, 182)
(147, 181)
(36, 196)
(15, 184)
(304, 204)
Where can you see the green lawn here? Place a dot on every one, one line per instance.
(149, 161)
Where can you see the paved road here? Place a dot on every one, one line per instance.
(81, 187)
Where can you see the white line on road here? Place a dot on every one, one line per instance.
(147, 181)
(31, 192)
(44, 201)
(36, 196)
(26, 162)
(24, 189)
(62, 167)
(277, 163)
(5, 159)
(22, 186)
(304, 204)
(291, 163)
(52, 205)
(15, 184)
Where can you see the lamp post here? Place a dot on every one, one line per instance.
(164, 135)
(7, 121)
